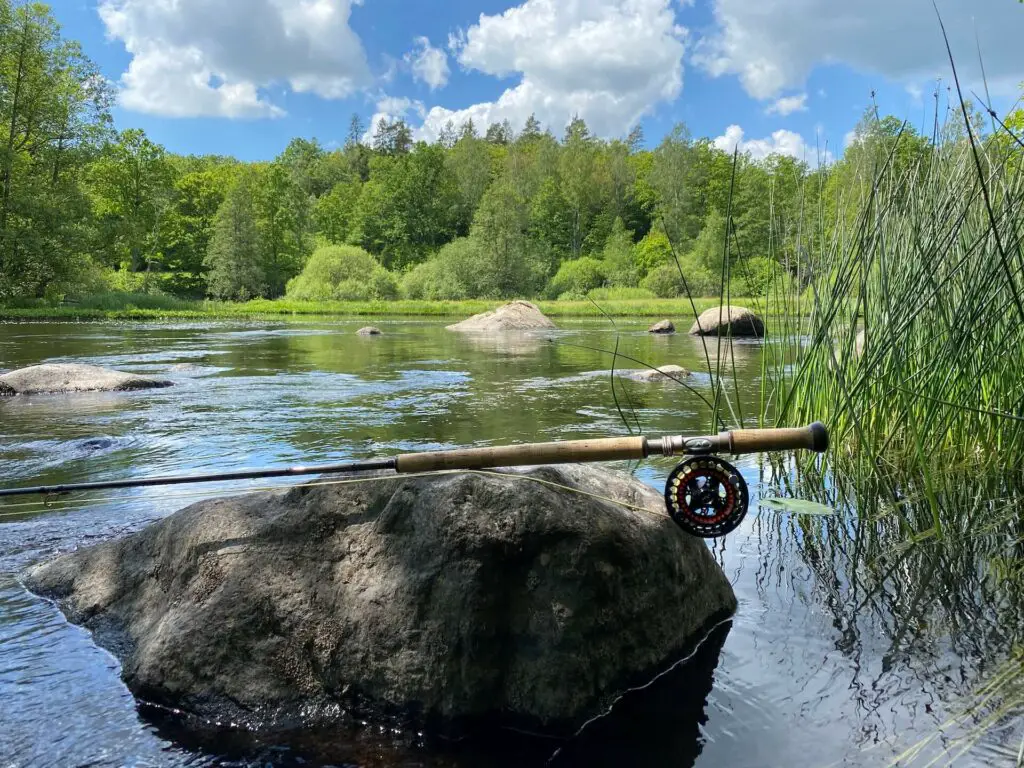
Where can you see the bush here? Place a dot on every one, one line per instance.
(619, 264)
(665, 283)
(578, 277)
(342, 273)
(455, 272)
(652, 252)
(755, 276)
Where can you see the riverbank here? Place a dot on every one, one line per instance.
(143, 307)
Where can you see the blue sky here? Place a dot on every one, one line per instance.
(243, 77)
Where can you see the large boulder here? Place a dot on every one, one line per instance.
(517, 316)
(71, 377)
(454, 599)
(663, 326)
(728, 321)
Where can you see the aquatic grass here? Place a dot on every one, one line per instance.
(908, 348)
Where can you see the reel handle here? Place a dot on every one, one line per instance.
(811, 438)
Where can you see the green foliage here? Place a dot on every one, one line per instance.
(458, 271)
(408, 208)
(234, 256)
(578, 277)
(619, 293)
(131, 184)
(664, 282)
(652, 252)
(342, 273)
(54, 113)
(619, 264)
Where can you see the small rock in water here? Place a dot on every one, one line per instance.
(728, 321)
(60, 377)
(664, 373)
(369, 331)
(463, 598)
(516, 316)
(97, 443)
(665, 326)
(6, 390)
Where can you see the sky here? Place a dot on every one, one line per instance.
(244, 77)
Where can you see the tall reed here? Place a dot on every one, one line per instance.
(911, 345)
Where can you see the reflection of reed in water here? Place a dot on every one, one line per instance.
(944, 613)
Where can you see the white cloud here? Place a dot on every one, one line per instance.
(774, 44)
(779, 143)
(788, 105)
(198, 58)
(429, 65)
(609, 61)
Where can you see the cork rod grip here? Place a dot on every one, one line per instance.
(567, 452)
(812, 438)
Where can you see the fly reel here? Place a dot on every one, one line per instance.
(706, 496)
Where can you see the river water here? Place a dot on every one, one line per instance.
(827, 661)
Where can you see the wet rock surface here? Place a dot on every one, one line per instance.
(455, 598)
(64, 378)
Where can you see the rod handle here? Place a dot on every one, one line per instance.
(564, 452)
(811, 438)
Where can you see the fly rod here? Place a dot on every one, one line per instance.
(705, 495)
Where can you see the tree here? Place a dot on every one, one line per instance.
(131, 185)
(409, 207)
(392, 137)
(470, 161)
(333, 213)
(54, 111)
(233, 257)
(284, 226)
(187, 227)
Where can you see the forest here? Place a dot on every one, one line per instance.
(483, 212)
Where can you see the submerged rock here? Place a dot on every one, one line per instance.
(63, 377)
(455, 598)
(664, 373)
(517, 316)
(728, 321)
(663, 326)
(369, 331)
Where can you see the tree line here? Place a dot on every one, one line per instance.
(485, 211)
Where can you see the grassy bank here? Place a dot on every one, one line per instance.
(146, 307)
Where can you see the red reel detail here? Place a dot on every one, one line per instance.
(706, 497)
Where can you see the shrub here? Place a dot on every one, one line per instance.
(578, 277)
(619, 264)
(652, 252)
(755, 276)
(455, 272)
(342, 273)
(665, 283)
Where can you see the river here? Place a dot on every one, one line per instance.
(816, 668)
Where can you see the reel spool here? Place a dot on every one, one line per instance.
(706, 496)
